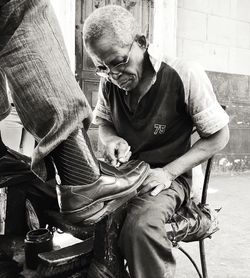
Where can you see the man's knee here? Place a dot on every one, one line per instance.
(140, 228)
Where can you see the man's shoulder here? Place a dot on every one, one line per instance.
(188, 70)
(183, 66)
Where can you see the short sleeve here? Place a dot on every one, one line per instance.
(207, 114)
(102, 109)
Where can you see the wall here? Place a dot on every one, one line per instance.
(165, 22)
(216, 33)
(65, 12)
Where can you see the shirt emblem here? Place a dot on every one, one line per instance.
(159, 129)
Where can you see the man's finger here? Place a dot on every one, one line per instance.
(122, 151)
(148, 186)
(125, 158)
(110, 154)
(158, 189)
(147, 181)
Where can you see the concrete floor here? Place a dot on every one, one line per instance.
(228, 252)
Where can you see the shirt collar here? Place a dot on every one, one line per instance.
(155, 57)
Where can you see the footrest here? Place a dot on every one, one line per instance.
(57, 220)
(66, 260)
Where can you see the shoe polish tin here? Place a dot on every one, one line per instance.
(37, 241)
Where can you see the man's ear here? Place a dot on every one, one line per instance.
(141, 40)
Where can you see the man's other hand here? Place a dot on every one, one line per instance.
(158, 179)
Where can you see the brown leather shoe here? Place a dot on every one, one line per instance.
(79, 202)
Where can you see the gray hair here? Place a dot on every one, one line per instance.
(110, 21)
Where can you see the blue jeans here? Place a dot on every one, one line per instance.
(143, 239)
(46, 95)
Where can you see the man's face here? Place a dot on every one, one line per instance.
(122, 65)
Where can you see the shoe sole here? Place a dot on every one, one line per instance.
(108, 209)
(80, 214)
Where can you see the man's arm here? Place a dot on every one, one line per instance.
(203, 149)
(161, 178)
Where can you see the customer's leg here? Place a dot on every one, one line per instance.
(143, 239)
(55, 111)
(49, 101)
(70, 159)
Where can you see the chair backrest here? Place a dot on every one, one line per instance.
(206, 180)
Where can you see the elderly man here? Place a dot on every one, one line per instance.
(147, 107)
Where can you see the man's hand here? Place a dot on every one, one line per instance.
(117, 151)
(158, 179)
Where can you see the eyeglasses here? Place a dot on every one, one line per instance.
(115, 71)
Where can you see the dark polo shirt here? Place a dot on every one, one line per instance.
(159, 130)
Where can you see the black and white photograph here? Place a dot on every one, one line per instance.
(124, 138)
